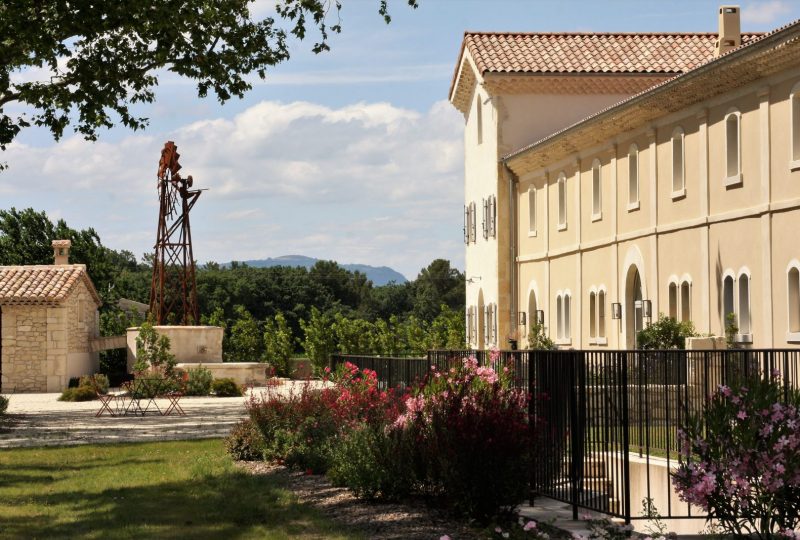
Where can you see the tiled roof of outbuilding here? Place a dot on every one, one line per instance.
(42, 285)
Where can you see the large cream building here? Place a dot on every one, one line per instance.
(613, 177)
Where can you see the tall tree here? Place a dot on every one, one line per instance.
(99, 58)
(438, 284)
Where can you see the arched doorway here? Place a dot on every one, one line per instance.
(634, 314)
(481, 330)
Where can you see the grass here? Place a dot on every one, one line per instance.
(186, 489)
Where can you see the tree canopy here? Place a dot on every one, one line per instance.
(89, 61)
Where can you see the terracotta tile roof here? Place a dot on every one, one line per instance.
(590, 52)
(42, 285)
(760, 55)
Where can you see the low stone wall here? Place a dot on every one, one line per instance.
(241, 372)
(190, 344)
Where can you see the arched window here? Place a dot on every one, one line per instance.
(794, 301)
(686, 301)
(559, 316)
(733, 153)
(744, 304)
(567, 316)
(633, 177)
(794, 101)
(678, 166)
(562, 201)
(597, 195)
(532, 210)
(673, 300)
(592, 315)
(601, 313)
(727, 299)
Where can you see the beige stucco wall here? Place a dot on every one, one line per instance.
(713, 228)
(189, 344)
(42, 347)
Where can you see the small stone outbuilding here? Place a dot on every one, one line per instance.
(49, 318)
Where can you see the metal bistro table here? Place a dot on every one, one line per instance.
(147, 390)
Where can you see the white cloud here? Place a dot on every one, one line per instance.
(768, 12)
(367, 182)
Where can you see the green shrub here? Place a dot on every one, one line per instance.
(82, 393)
(665, 333)
(100, 380)
(373, 463)
(3, 404)
(226, 387)
(74, 382)
(199, 382)
(245, 443)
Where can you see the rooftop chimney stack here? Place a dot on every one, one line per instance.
(730, 32)
(61, 251)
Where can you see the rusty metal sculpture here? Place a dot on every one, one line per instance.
(173, 291)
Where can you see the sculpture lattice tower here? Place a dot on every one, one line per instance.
(173, 291)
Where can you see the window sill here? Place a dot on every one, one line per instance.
(564, 341)
(601, 341)
(562, 226)
(679, 194)
(794, 165)
(633, 206)
(743, 338)
(597, 217)
(733, 181)
(793, 337)
(531, 234)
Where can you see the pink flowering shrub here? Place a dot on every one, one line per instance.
(471, 439)
(744, 467)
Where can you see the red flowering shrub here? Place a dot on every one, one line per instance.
(300, 429)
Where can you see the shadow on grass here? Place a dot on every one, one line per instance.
(205, 497)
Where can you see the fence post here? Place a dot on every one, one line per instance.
(626, 463)
(573, 430)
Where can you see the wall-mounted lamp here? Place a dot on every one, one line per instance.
(540, 317)
(522, 318)
(616, 310)
(473, 279)
(647, 309)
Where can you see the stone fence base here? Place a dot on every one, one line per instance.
(241, 372)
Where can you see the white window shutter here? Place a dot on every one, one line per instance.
(494, 324)
(493, 217)
(486, 324)
(474, 223)
(466, 224)
(485, 223)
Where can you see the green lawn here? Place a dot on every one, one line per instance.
(186, 489)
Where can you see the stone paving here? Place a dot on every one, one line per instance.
(42, 420)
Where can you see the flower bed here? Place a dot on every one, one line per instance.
(461, 439)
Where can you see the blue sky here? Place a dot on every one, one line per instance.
(352, 155)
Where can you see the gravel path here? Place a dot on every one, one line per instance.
(378, 521)
(42, 420)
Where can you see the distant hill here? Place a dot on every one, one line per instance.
(379, 275)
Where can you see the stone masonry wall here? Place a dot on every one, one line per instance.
(82, 320)
(24, 348)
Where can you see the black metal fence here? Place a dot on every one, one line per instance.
(609, 419)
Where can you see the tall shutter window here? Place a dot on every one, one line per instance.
(601, 314)
(592, 315)
(473, 223)
(493, 217)
(466, 223)
(494, 323)
(486, 324)
(468, 324)
(485, 219)
(744, 304)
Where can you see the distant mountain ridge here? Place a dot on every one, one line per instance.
(379, 275)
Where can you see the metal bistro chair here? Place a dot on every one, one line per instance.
(107, 399)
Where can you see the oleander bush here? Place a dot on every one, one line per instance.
(461, 439)
(741, 458)
(199, 381)
(226, 387)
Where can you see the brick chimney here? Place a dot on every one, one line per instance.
(61, 251)
(730, 32)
